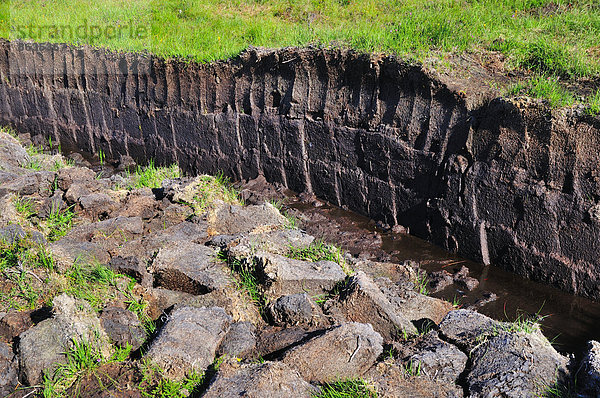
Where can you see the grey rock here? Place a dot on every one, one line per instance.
(234, 301)
(363, 301)
(515, 364)
(282, 275)
(232, 219)
(42, 347)
(467, 328)
(273, 340)
(98, 202)
(53, 204)
(277, 242)
(68, 176)
(269, 379)
(67, 251)
(240, 340)
(347, 351)
(189, 340)
(189, 267)
(12, 153)
(411, 304)
(438, 359)
(9, 367)
(590, 367)
(122, 327)
(295, 309)
(12, 233)
(132, 267)
(391, 381)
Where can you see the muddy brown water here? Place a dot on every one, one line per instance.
(567, 320)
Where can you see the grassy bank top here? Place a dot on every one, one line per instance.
(548, 38)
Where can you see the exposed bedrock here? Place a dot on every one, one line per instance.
(508, 182)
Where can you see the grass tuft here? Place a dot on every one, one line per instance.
(59, 222)
(151, 176)
(318, 251)
(351, 388)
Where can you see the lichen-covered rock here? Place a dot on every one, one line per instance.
(260, 380)
(189, 340)
(189, 267)
(590, 367)
(282, 276)
(43, 347)
(345, 351)
(240, 340)
(295, 309)
(278, 242)
(363, 301)
(8, 370)
(122, 327)
(467, 328)
(228, 219)
(515, 364)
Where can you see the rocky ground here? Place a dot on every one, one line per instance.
(142, 283)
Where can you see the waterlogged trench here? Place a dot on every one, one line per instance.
(567, 320)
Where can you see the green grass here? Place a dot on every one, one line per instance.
(421, 283)
(318, 251)
(82, 359)
(593, 102)
(547, 87)
(59, 222)
(151, 176)
(351, 388)
(562, 41)
(24, 206)
(153, 385)
(212, 188)
(245, 279)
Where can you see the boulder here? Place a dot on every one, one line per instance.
(189, 340)
(259, 380)
(12, 153)
(363, 301)
(467, 329)
(282, 276)
(590, 367)
(278, 242)
(9, 367)
(68, 176)
(273, 340)
(392, 381)
(14, 323)
(189, 267)
(122, 327)
(240, 340)
(438, 359)
(295, 309)
(42, 348)
(228, 219)
(345, 351)
(515, 364)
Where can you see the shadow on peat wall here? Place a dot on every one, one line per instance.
(508, 182)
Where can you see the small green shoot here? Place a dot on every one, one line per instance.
(421, 283)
